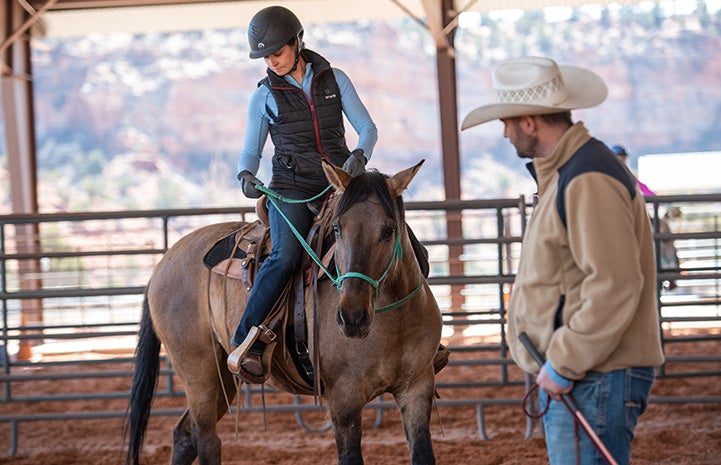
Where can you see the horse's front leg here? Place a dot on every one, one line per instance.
(415, 404)
(348, 430)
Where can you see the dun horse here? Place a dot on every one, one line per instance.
(362, 352)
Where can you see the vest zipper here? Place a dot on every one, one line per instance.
(313, 115)
(316, 126)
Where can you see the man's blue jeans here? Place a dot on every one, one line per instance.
(611, 403)
(278, 267)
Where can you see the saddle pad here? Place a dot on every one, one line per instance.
(221, 251)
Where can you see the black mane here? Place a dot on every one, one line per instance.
(366, 185)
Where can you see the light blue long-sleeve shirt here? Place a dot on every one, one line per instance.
(262, 101)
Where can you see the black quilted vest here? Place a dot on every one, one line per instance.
(305, 131)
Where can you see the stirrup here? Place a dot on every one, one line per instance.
(236, 357)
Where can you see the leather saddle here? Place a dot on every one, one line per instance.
(239, 256)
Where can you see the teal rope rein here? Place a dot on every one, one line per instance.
(274, 198)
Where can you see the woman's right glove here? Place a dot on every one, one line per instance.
(356, 163)
(248, 183)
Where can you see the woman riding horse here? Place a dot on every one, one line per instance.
(301, 104)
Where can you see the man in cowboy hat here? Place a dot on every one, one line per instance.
(585, 291)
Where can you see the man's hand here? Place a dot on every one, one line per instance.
(553, 389)
(356, 163)
(248, 183)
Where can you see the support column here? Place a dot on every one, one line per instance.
(446, 63)
(440, 15)
(18, 115)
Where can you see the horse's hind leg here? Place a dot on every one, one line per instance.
(183, 448)
(187, 438)
(415, 404)
(195, 434)
(192, 438)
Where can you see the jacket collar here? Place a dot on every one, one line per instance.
(572, 140)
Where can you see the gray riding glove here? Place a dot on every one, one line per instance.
(248, 183)
(356, 163)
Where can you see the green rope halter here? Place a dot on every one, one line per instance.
(274, 198)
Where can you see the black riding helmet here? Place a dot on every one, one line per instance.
(270, 29)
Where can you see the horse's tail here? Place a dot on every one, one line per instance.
(145, 378)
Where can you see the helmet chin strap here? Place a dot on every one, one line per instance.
(298, 44)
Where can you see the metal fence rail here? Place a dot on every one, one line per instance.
(73, 284)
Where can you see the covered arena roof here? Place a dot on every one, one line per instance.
(81, 17)
(20, 19)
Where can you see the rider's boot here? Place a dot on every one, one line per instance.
(440, 360)
(251, 359)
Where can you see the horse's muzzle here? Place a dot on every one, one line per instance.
(356, 323)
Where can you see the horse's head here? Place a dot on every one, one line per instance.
(369, 224)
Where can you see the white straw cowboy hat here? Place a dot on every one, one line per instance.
(538, 86)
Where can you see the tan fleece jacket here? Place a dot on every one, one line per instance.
(585, 292)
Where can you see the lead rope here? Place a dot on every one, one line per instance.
(274, 197)
(534, 416)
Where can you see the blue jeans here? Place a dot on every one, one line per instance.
(611, 403)
(278, 268)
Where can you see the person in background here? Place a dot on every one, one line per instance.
(622, 155)
(668, 256)
(300, 103)
(585, 291)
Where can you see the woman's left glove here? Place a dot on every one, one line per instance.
(356, 163)
(248, 184)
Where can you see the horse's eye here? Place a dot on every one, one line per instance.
(388, 232)
(336, 229)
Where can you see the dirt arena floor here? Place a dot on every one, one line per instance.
(669, 433)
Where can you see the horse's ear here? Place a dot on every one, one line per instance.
(399, 181)
(338, 177)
